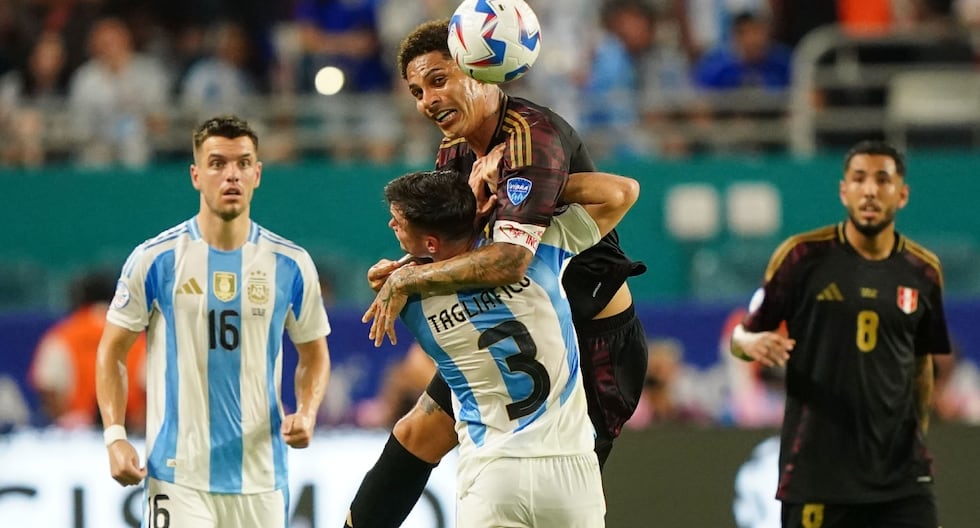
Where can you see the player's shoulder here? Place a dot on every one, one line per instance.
(919, 256)
(282, 247)
(272, 241)
(521, 114)
(807, 243)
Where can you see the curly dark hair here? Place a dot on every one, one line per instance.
(426, 38)
(226, 126)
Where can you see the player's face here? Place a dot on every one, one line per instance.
(411, 241)
(454, 101)
(872, 191)
(226, 172)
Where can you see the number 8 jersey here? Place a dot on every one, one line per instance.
(850, 428)
(510, 355)
(215, 322)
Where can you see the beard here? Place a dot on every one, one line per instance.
(871, 230)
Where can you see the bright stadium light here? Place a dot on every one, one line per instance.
(329, 80)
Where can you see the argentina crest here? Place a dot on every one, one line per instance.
(224, 284)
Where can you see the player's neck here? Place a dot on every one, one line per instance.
(874, 247)
(221, 234)
(448, 251)
(482, 136)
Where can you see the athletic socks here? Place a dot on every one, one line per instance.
(390, 489)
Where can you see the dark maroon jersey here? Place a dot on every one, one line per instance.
(541, 150)
(851, 430)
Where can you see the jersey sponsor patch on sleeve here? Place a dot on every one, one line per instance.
(518, 189)
(121, 297)
(527, 235)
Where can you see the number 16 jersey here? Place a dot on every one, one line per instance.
(215, 322)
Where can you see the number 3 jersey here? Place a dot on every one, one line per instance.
(850, 430)
(510, 356)
(215, 322)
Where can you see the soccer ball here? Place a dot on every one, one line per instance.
(494, 41)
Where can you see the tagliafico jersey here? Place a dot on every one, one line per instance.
(215, 322)
(541, 149)
(850, 429)
(510, 355)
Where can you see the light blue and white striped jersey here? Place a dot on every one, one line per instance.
(510, 355)
(215, 322)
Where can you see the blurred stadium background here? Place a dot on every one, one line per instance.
(98, 97)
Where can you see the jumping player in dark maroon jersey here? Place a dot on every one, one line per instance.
(539, 151)
(863, 307)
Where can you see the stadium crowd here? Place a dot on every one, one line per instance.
(104, 82)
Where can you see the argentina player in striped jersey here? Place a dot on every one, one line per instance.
(215, 295)
(510, 357)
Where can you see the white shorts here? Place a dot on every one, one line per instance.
(544, 492)
(172, 506)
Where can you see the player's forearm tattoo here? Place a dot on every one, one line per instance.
(486, 267)
(923, 389)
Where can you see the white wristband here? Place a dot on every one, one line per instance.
(113, 433)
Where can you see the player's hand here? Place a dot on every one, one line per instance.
(385, 308)
(769, 348)
(297, 430)
(483, 180)
(379, 273)
(124, 463)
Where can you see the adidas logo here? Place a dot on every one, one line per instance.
(190, 286)
(830, 293)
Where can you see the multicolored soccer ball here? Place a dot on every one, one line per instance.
(494, 41)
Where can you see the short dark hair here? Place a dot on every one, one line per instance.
(435, 201)
(226, 126)
(425, 38)
(876, 148)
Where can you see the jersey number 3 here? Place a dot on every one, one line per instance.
(523, 361)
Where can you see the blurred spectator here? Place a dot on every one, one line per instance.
(26, 94)
(117, 98)
(401, 387)
(750, 60)
(341, 57)
(219, 82)
(757, 394)
(610, 117)
(707, 24)
(63, 368)
(670, 391)
(957, 390)
(570, 30)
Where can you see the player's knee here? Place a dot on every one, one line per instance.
(427, 432)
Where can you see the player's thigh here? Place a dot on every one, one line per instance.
(567, 492)
(818, 515)
(918, 511)
(266, 510)
(171, 506)
(543, 492)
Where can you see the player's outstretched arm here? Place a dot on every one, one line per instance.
(606, 197)
(769, 348)
(110, 389)
(489, 266)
